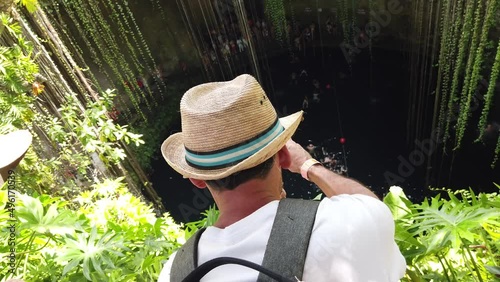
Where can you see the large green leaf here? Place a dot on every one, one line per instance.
(33, 216)
(445, 222)
(397, 202)
(93, 252)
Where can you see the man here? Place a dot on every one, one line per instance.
(233, 143)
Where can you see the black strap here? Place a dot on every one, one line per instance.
(206, 267)
(289, 240)
(285, 252)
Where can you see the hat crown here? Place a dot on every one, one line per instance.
(218, 115)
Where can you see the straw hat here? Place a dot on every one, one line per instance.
(226, 127)
(13, 146)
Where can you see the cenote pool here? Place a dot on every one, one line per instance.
(367, 107)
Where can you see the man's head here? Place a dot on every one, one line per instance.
(261, 171)
(229, 130)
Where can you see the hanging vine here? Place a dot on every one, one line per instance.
(97, 35)
(443, 56)
(497, 153)
(370, 15)
(451, 104)
(452, 43)
(344, 20)
(50, 91)
(48, 31)
(111, 41)
(290, 31)
(133, 59)
(126, 28)
(488, 98)
(275, 11)
(353, 24)
(478, 62)
(124, 31)
(463, 44)
(144, 46)
(87, 40)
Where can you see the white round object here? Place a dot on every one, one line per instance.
(13, 146)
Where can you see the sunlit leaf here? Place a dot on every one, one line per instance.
(34, 217)
(397, 202)
(492, 229)
(93, 251)
(495, 270)
(31, 5)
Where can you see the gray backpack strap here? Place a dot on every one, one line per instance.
(186, 259)
(286, 248)
(289, 240)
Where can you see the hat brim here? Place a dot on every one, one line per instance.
(173, 151)
(13, 146)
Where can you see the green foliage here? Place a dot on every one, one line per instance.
(463, 43)
(116, 45)
(17, 73)
(93, 129)
(495, 71)
(275, 11)
(64, 142)
(344, 19)
(442, 79)
(42, 216)
(452, 99)
(491, 11)
(210, 216)
(105, 234)
(497, 152)
(31, 5)
(97, 33)
(461, 68)
(156, 127)
(97, 232)
(74, 137)
(454, 239)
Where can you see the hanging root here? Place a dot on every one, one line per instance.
(488, 99)
(497, 153)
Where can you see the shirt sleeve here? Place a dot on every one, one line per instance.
(382, 257)
(353, 241)
(165, 272)
(391, 258)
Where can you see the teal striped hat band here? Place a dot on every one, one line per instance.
(232, 155)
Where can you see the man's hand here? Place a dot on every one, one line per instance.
(298, 156)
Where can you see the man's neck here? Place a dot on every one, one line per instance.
(239, 203)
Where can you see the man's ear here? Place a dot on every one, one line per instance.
(198, 183)
(284, 158)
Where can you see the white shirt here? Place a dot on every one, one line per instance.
(352, 240)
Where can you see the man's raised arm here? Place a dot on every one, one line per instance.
(329, 182)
